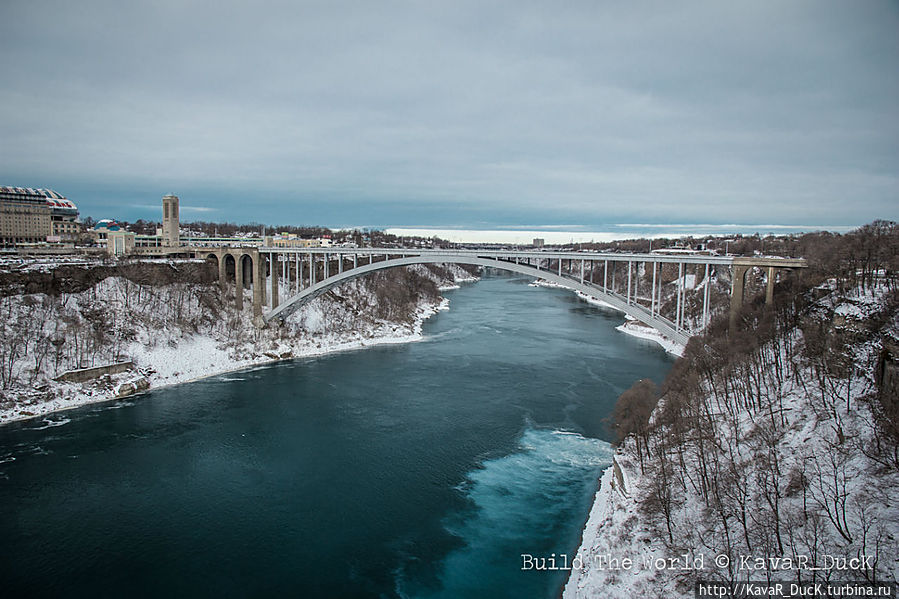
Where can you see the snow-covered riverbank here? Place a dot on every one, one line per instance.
(635, 328)
(202, 356)
(184, 332)
(803, 469)
(629, 327)
(615, 532)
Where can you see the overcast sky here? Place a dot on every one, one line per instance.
(457, 114)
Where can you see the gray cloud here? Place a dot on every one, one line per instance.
(460, 112)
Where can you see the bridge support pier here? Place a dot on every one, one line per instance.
(275, 280)
(736, 292)
(223, 273)
(299, 273)
(705, 297)
(680, 287)
(238, 283)
(769, 289)
(258, 285)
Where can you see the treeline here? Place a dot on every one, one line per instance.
(222, 229)
(75, 279)
(227, 229)
(776, 438)
(861, 258)
(368, 237)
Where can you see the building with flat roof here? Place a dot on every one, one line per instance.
(120, 242)
(31, 215)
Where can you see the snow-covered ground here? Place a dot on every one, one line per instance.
(605, 539)
(180, 333)
(45, 264)
(636, 328)
(834, 495)
(201, 356)
(459, 280)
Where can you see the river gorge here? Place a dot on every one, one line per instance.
(413, 470)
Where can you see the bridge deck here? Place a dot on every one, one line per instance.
(775, 261)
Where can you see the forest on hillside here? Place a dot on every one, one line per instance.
(780, 436)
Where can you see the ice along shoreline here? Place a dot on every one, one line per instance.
(630, 327)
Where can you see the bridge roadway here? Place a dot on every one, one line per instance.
(528, 262)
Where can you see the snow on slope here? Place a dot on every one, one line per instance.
(833, 500)
(177, 333)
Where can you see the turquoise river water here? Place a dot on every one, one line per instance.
(416, 470)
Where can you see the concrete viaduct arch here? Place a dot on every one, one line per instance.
(250, 272)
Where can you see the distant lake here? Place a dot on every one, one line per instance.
(563, 234)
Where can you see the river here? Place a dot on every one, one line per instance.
(416, 470)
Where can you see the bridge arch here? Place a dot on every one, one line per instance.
(662, 324)
(243, 269)
(230, 267)
(240, 265)
(213, 259)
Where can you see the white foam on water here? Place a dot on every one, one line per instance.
(49, 423)
(117, 405)
(520, 503)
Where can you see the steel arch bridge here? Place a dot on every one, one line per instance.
(274, 263)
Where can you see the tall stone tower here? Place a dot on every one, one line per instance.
(170, 224)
